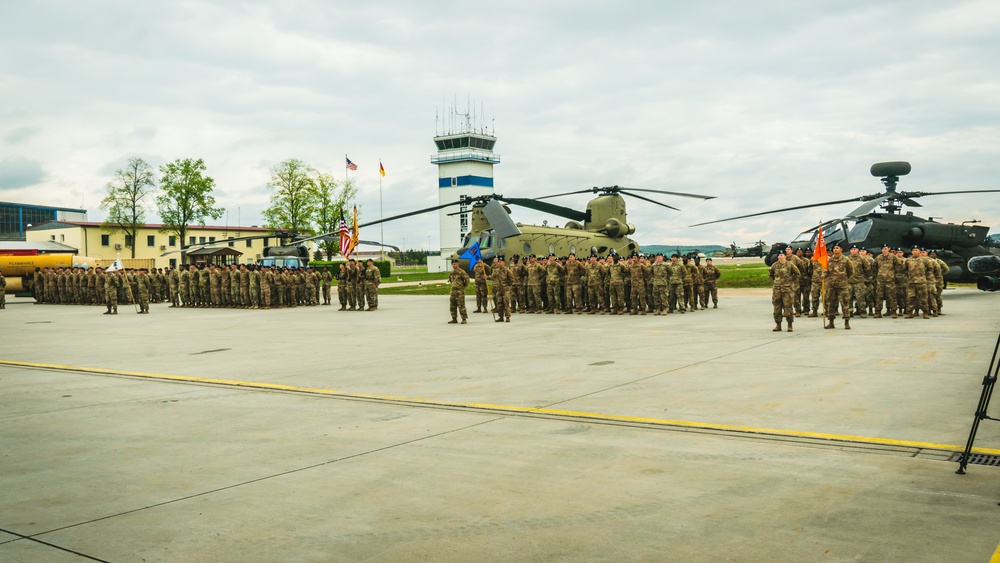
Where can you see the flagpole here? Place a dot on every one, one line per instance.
(381, 214)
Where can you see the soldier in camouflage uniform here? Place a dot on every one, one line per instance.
(266, 284)
(342, 286)
(616, 285)
(535, 275)
(857, 282)
(791, 258)
(838, 274)
(689, 274)
(112, 283)
(327, 280)
(711, 277)
(254, 275)
(373, 277)
(144, 287)
(869, 282)
(575, 271)
(517, 278)
(553, 270)
(595, 301)
(916, 284)
(675, 299)
(901, 283)
(502, 281)
(660, 274)
(887, 264)
(458, 280)
(481, 271)
(938, 289)
(805, 267)
(352, 285)
(784, 275)
(933, 271)
(637, 292)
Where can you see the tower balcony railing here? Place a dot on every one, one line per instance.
(465, 154)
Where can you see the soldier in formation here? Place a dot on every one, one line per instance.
(784, 277)
(458, 279)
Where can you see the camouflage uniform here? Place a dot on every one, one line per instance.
(342, 290)
(144, 286)
(916, 286)
(553, 270)
(112, 283)
(327, 280)
(675, 300)
(901, 284)
(711, 276)
(502, 280)
(518, 274)
(373, 277)
(785, 276)
(660, 274)
(638, 289)
(482, 272)
(594, 296)
(535, 273)
(689, 273)
(254, 275)
(838, 274)
(266, 281)
(575, 270)
(886, 267)
(858, 288)
(458, 280)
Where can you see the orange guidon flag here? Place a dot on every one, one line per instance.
(819, 253)
(354, 229)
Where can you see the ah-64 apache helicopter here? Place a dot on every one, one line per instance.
(963, 246)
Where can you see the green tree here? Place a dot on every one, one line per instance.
(186, 197)
(331, 205)
(127, 199)
(293, 197)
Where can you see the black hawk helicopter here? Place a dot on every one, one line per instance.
(963, 246)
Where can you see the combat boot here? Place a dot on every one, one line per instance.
(715, 305)
(777, 326)
(813, 315)
(878, 314)
(829, 323)
(453, 321)
(908, 316)
(789, 319)
(847, 323)
(108, 312)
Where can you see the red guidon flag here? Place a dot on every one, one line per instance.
(819, 253)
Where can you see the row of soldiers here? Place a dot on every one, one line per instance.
(357, 283)
(249, 286)
(233, 286)
(859, 283)
(599, 285)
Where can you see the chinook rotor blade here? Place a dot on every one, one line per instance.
(503, 226)
(546, 207)
(682, 194)
(588, 190)
(644, 198)
(862, 198)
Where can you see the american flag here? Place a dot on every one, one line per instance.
(345, 237)
(350, 165)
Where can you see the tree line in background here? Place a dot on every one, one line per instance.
(303, 199)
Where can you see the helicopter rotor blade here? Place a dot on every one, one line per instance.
(868, 206)
(637, 196)
(546, 207)
(682, 194)
(922, 194)
(588, 190)
(862, 198)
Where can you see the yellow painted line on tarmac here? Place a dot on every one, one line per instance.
(519, 409)
(996, 556)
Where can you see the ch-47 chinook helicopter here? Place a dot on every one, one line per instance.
(963, 246)
(600, 230)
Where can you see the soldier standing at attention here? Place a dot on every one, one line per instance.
(342, 286)
(785, 277)
(838, 274)
(791, 258)
(660, 273)
(638, 289)
(711, 276)
(901, 283)
(112, 283)
(574, 289)
(805, 267)
(173, 281)
(352, 285)
(690, 271)
(266, 279)
(535, 273)
(553, 271)
(458, 280)
(373, 277)
(502, 281)
(916, 284)
(938, 288)
(144, 286)
(327, 281)
(857, 281)
(517, 275)
(616, 283)
(255, 287)
(886, 266)
(482, 272)
(675, 300)
(594, 294)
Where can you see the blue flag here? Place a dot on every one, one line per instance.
(472, 255)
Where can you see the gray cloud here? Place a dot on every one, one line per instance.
(19, 173)
(763, 105)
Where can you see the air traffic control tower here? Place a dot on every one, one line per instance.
(465, 160)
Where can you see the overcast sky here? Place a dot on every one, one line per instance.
(761, 104)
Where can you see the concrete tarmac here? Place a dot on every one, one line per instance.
(310, 434)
